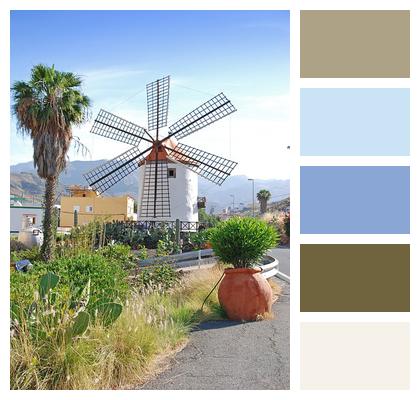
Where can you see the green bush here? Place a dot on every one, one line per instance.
(199, 239)
(161, 277)
(33, 254)
(107, 278)
(120, 253)
(242, 242)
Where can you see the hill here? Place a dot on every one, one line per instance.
(23, 178)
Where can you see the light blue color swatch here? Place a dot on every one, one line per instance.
(355, 122)
(355, 200)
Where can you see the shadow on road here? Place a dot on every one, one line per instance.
(220, 324)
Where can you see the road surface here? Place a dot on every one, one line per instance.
(234, 355)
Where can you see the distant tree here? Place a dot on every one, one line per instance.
(47, 107)
(263, 196)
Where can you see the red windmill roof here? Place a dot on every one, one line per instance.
(163, 153)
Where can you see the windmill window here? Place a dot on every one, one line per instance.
(89, 208)
(171, 172)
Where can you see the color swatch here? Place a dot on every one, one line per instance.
(350, 200)
(366, 197)
(355, 356)
(355, 277)
(355, 44)
(355, 122)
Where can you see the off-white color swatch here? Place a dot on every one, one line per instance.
(355, 356)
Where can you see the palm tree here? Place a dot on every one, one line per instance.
(46, 108)
(263, 196)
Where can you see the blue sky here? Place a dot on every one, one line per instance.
(245, 54)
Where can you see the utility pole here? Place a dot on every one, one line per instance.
(253, 196)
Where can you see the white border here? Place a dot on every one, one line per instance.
(296, 83)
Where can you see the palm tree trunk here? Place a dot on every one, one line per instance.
(263, 206)
(47, 249)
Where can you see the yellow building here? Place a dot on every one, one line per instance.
(84, 204)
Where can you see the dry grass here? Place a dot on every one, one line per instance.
(152, 324)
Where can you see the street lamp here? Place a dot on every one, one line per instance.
(233, 203)
(253, 196)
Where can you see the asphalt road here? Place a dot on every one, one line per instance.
(234, 355)
(283, 255)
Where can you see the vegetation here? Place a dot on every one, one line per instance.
(263, 196)
(161, 278)
(242, 242)
(200, 239)
(106, 276)
(280, 221)
(287, 225)
(47, 107)
(15, 245)
(97, 355)
(207, 220)
(32, 254)
(134, 236)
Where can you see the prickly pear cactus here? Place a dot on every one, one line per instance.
(109, 312)
(80, 323)
(47, 282)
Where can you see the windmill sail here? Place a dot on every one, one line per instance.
(157, 103)
(211, 111)
(155, 196)
(155, 201)
(214, 168)
(113, 171)
(113, 127)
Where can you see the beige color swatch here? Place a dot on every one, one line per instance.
(355, 44)
(355, 356)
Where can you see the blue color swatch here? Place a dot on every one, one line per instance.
(355, 200)
(355, 122)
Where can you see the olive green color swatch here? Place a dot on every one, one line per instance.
(355, 44)
(354, 278)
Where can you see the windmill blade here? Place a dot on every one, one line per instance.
(211, 111)
(113, 171)
(155, 193)
(157, 103)
(113, 127)
(214, 168)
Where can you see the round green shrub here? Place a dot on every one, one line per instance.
(242, 242)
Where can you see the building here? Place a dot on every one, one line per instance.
(83, 205)
(182, 189)
(22, 215)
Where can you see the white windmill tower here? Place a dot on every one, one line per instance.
(168, 169)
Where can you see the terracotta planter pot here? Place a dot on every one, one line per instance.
(244, 294)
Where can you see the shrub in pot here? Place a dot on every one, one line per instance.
(242, 242)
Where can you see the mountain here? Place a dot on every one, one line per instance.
(23, 178)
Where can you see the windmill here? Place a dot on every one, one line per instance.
(164, 192)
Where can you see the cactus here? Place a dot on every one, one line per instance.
(80, 323)
(47, 282)
(109, 312)
(80, 297)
